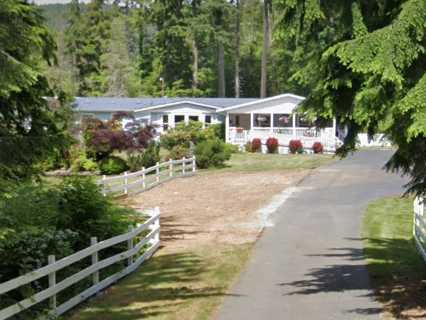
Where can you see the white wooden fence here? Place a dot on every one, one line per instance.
(147, 177)
(419, 226)
(137, 252)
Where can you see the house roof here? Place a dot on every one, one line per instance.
(250, 103)
(114, 104)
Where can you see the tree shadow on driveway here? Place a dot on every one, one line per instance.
(397, 275)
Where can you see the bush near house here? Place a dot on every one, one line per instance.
(148, 158)
(272, 145)
(295, 146)
(211, 152)
(256, 145)
(317, 147)
(113, 165)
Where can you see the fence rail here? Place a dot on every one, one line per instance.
(419, 226)
(135, 254)
(147, 177)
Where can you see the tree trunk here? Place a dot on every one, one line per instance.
(221, 69)
(267, 6)
(194, 49)
(237, 49)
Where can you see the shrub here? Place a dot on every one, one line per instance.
(256, 145)
(178, 152)
(113, 165)
(248, 147)
(272, 145)
(295, 146)
(317, 147)
(216, 131)
(211, 153)
(183, 135)
(36, 221)
(148, 158)
(232, 148)
(79, 162)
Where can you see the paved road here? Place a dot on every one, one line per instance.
(309, 265)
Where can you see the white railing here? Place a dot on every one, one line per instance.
(147, 177)
(419, 226)
(137, 252)
(308, 136)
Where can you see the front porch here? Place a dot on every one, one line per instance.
(244, 127)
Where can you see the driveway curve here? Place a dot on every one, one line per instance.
(309, 265)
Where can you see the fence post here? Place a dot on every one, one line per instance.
(103, 185)
(52, 282)
(125, 182)
(157, 172)
(143, 178)
(183, 165)
(95, 259)
(193, 164)
(130, 246)
(157, 224)
(171, 168)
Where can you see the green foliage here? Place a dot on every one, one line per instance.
(211, 153)
(370, 72)
(184, 135)
(37, 221)
(113, 165)
(82, 163)
(30, 130)
(178, 152)
(147, 158)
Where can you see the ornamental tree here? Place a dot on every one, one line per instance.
(368, 71)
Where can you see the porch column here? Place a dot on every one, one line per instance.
(227, 128)
(334, 126)
(271, 130)
(294, 124)
(186, 119)
(202, 119)
(251, 121)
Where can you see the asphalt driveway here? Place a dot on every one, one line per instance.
(309, 265)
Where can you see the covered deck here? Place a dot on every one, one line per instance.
(244, 127)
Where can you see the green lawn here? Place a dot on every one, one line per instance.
(397, 271)
(180, 285)
(261, 162)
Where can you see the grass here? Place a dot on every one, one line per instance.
(262, 162)
(396, 269)
(180, 285)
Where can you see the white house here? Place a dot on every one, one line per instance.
(245, 118)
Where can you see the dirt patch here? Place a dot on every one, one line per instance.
(217, 207)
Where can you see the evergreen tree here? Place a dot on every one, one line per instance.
(370, 72)
(30, 131)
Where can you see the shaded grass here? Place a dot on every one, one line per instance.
(262, 162)
(397, 271)
(182, 285)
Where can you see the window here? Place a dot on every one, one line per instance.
(193, 118)
(303, 122)
(165, 122)
(283, 120)
(262, 120)
(208, 119)
(179, 118)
